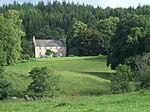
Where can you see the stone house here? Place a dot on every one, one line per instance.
(41, 45)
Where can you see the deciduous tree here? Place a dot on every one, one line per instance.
(128, 41)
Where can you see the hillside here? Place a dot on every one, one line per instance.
(78, 75)
(83, 80)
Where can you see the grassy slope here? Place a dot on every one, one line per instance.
(132, 102)
(82, 75)
(79, 75)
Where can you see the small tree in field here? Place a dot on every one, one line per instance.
(39, 76)
(120, 80)
(43, 82)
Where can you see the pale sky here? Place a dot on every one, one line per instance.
(101, 3)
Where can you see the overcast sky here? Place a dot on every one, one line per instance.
(102, 3)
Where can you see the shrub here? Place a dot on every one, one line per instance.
(142, 72)
(43, 81)
(39, 76)
(4, 86)
(53, 83)
(73, 51)
(3, 61)
(49, 52)
(120, 80)
(25, 57)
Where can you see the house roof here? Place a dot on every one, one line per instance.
(45, 43)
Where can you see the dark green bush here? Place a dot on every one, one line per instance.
(39, 76)
(120, 80)
(142, 72)
(73, 51)
(25, 57)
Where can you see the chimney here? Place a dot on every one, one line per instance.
(33, 40)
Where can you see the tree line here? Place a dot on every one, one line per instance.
(56, 20)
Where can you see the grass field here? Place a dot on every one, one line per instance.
(79, 75)
(132, 102)
(83, 87)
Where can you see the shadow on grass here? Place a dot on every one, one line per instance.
(96, 58)
(104, 75)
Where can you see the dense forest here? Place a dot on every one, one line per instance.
(87, 30)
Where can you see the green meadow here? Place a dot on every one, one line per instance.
(84, 87)
(78, 75)
(131, 102)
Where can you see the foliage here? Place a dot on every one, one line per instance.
(58, 20)
(147, 42)
(2, 56)
(10, 35)
(27, 47)
(25, 57)
(43, 81)
(89, 43)
(129, 39)
(53, 82)
(79, 28)
(73, 51)
(93, 41)
(120, 80)
(39, 76)
(4, 86)
(131, 61)
(107, 30)
(142, 71)
(49, 52)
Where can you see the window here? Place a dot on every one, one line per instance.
(60, 54)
